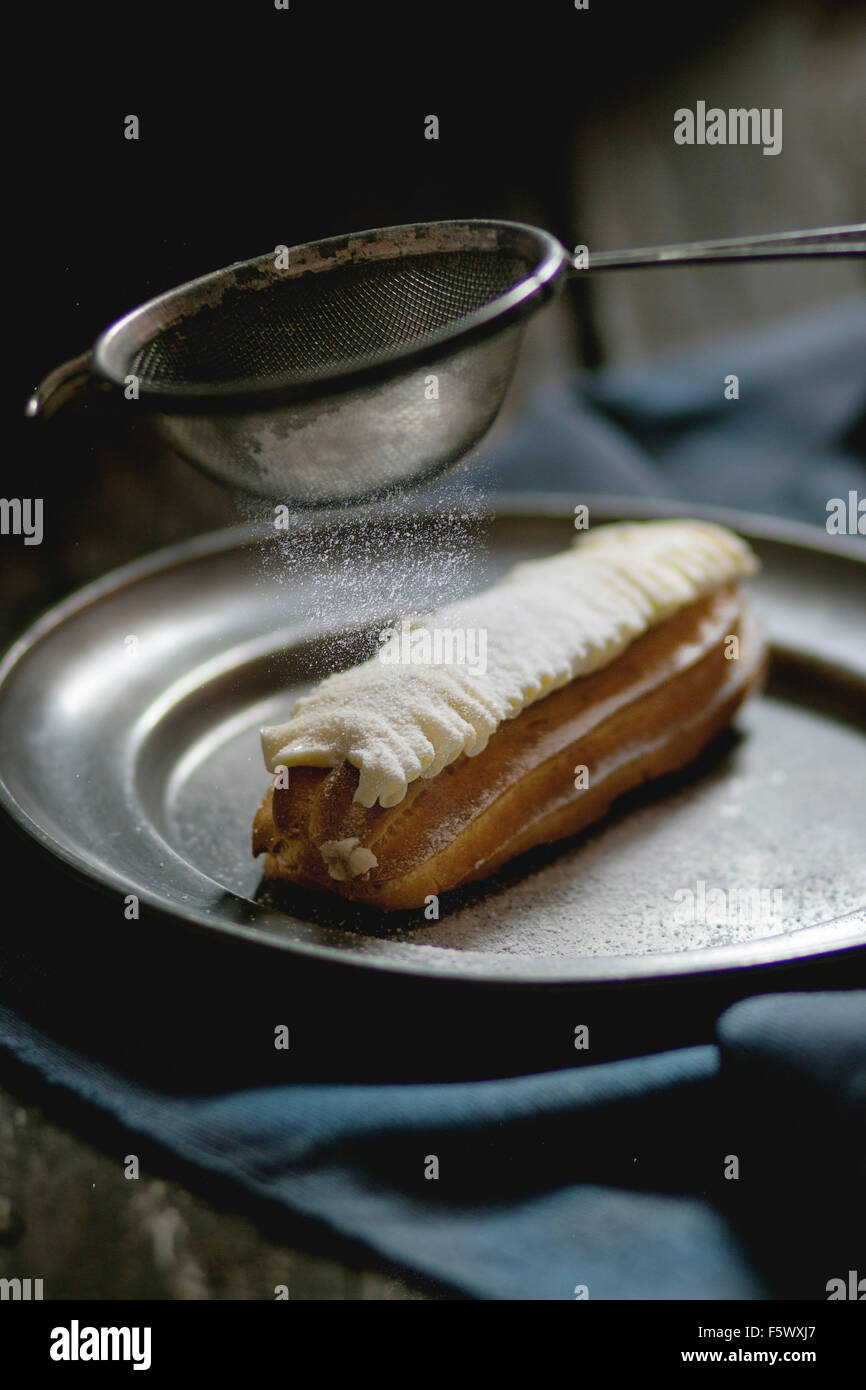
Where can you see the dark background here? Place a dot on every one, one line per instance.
(261, 126)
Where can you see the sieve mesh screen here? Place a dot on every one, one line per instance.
(318, 322)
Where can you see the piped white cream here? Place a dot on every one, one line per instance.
(545, 623)
(347, 858)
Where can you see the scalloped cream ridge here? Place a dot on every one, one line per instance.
(546, 622)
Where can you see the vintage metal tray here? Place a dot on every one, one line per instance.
(129, 748)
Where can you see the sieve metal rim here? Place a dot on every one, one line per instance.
(111, 354)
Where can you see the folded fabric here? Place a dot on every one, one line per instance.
(732, 1171)
(794, 436)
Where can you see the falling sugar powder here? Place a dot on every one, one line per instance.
(364, 567)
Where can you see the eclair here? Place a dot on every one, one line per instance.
(513, 718)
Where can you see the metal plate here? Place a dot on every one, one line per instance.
(129, 748)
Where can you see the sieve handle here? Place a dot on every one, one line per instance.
(822, 241)
(59, 387)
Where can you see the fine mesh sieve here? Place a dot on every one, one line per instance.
(335, 371)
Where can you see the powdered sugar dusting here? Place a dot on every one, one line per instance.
(545, 623)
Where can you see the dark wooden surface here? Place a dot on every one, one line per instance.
(70, 1217)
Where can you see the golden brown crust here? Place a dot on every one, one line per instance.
(647, 713)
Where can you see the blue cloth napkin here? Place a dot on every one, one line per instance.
(794, 437)
(728, 1169)
(733, 1171)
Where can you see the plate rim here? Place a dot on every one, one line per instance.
(836, 935)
